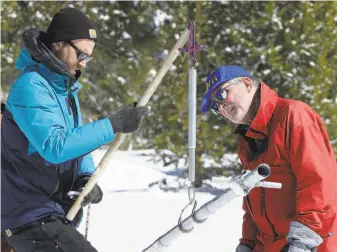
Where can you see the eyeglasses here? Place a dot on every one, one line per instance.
(81, 56)
(218, 97)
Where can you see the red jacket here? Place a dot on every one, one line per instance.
(296, 146)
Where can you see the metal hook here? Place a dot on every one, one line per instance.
(191, 197)
(180, 217)
(193, 215)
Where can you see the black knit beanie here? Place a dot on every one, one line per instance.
(70, 24)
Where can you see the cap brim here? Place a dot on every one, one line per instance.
(206, 103)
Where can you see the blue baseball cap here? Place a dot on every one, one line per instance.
(221, 75)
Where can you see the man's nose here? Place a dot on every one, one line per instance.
(222, 108)
(223, 105)
(82, 63)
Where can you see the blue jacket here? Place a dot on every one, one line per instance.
(44, 145)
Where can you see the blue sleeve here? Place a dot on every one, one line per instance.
(87, 166)
(36, 111)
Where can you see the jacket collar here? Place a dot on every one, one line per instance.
(258, 129)
(59, 82)
(36, 56)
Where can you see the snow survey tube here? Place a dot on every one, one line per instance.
(250, 179)
(245, 182)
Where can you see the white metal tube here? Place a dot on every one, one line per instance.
(120, 136)
(208, 208)
(252, 178)
(192, 121)
(267, 184)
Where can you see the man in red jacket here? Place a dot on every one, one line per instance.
(291, 138)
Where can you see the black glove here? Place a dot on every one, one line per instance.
(129, 118)
(95, 196)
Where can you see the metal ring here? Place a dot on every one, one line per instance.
(191, 194)
(194, 63)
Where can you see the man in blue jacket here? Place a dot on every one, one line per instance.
(45, 148)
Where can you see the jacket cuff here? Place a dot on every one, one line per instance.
(81, 181)
(248, 243)
(300, 233)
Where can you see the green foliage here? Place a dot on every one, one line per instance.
(291, 46)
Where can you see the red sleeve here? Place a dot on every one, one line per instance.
(314, 165)
(249, 229)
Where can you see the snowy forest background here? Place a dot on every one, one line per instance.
(292, 46)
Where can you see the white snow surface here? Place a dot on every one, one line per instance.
(133, 215)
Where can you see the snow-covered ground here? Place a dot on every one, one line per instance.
(133, 215)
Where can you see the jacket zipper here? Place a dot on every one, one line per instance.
(75, 174)
(328, 235)
(249, 205)
(263, 209)
(71, 102)
(73, 108)
(56, 190)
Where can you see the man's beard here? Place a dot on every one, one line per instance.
(59, 55)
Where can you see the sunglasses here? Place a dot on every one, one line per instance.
(217, 98)
(81, 56)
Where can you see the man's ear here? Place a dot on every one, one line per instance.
(248, 83)
(57, 46)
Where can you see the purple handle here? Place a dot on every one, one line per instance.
(193, 46)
